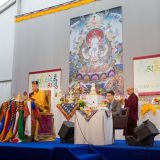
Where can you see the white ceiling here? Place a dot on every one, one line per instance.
(34, 5)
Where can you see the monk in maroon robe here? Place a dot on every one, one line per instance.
(132, 104)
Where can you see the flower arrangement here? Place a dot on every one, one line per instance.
(81, 104)
(103, 103)
(88, 111)
(146, 108)
(156, 100)
(63, 100)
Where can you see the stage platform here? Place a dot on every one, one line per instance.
(57, 151)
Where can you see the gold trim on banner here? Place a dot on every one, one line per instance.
(52, 10)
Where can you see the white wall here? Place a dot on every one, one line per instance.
(43, 43)
(5, 91)
(34, 5)
(7, 27)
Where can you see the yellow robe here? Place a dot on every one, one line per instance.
(40, 100)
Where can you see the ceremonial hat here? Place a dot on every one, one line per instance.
(35, 82)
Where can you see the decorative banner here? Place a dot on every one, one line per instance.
(86, 116)
(68, 109)
(96, 50)
(51, 10)
(47, 79)
(147, 75)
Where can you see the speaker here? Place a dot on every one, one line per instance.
(66, 132)
(145, 130)
(144, 133)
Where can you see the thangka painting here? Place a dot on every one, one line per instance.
(96, 50)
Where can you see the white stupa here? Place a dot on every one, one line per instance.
(93, 99)
(93, 89)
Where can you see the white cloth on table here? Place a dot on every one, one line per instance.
(97, 131)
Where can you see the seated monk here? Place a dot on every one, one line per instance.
(40, 115)
(38, 97)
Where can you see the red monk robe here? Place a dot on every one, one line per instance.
(132, 104)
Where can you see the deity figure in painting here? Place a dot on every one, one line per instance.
(95, 50)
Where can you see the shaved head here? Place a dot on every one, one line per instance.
(130, 90)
